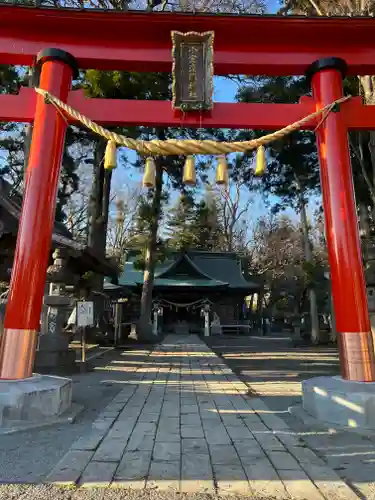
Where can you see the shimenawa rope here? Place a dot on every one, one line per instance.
(158, 147)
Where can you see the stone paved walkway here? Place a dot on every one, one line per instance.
(273, 370)
(185, 423)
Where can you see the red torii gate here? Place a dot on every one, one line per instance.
(61, 41)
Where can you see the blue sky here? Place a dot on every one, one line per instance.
(273, 6)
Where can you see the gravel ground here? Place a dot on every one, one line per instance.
(48, 492)
(29, 456)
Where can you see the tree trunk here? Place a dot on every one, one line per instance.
(315, 338)
(259, 311)
(251, 302)
(364, 228)
(99, 208)
(145, 328)
(333, 333)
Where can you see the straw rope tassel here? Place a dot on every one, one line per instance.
(261, 161)
(150, 173)
(189, 176)
(110, 157)
(222, 171)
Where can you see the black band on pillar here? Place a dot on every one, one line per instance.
(58, 55)
(327, 63)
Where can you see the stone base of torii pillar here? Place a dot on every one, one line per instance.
(341, 403)
(37, 401)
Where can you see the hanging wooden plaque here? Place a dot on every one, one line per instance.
(192, 70)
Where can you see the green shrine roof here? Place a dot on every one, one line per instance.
(193, 269)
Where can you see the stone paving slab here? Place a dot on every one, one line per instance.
(98, 475)
(69, 470)
(264, 480)
(164, 476)
(185, 423)
(299, 485)
(231, 479)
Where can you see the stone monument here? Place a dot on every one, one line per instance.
(215, 325)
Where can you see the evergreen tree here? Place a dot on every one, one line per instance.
(12, 134)
(139, 236)
(207, 226)
(195, 225)
(180, 224)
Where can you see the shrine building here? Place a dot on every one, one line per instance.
(191, 282)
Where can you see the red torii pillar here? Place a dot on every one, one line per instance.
(345, 257)
(26, 291)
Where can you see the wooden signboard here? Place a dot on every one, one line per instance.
(192, 70)
(85, 314)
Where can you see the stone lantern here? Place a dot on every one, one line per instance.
(53, 354)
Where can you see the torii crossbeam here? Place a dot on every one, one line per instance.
(267, 45)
